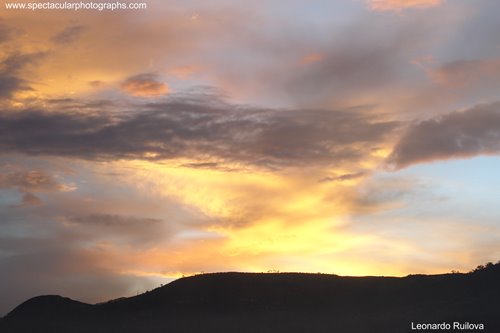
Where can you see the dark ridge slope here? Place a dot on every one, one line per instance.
(286, 302)
(46, 306)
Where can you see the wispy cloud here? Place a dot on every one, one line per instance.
(397, 5)
(69, 35)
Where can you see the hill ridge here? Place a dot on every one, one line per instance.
(275, 302)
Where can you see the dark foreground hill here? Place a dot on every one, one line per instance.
(283, 302)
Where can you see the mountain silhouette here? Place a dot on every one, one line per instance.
(278, 302)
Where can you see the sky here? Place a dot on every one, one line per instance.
(350, 137)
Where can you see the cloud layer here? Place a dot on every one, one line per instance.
(458, 134)
(201, 131)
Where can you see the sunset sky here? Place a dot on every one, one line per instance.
(352, 137)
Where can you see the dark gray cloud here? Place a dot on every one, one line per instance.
(458, 134)
(121, 229)
(204, 131)
(206, 165)
(10, 70)
(69, 34)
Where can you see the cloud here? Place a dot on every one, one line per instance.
(132, 156)
(382, 194)
(397, 5)
(6, 32)
(206, 131)
(61, 267)
(29, 199)
(145, 85)
(10, 70)
(206, 165)
(185, 72)
(460, 134)
(457, 83)
(344, 177)
(33, 180)
(365, 70)
(96, 83)
(119, 229)
(461, 73)
(68, 35)
(101, 47)
(312, 58)
(27, 182)
(81, 246)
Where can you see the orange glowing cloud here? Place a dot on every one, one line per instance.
(465, 72)
(312, 58)
(145, 85)
(396, 5)
(262, 221)
(184, 72)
